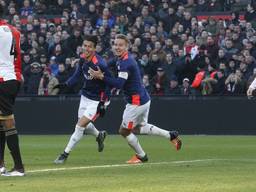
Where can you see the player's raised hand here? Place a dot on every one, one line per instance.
(96, 74)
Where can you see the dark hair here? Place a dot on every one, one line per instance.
(1, 11)
(91, 38)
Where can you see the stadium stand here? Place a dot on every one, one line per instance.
(183, 47)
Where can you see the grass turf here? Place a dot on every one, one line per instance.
(225, 163)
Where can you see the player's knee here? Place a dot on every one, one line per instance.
(83, 121)
(124, 132)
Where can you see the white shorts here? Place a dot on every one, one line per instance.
(135, 115)
(88, 108)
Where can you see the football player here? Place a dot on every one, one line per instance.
(135, 115)
(94, 98)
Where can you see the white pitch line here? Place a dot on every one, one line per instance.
(119, 165)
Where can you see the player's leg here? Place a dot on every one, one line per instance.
(173, 136)
(13, 145)
(8, 92)
(74, 139)
(140, 155)
(91, 129)
(87, 113)
(77, 134)
(3, 107)
(149, 129)
(129, 122)
(100, 135)
(2, 148)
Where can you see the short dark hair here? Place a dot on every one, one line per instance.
(1, 11)
(91, 38)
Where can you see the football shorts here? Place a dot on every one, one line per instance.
(135, 115)
(8, 94)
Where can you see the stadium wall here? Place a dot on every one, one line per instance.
(203, 115)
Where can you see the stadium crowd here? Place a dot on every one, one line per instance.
(178, 54)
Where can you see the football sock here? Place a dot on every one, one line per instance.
(150, 129)
(75, 138)
(13, 145)
(91, 130)
(135, 145)
(2, 144)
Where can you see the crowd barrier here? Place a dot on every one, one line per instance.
(188, 115)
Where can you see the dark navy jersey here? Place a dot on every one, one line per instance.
(129, 80)
(92, 88)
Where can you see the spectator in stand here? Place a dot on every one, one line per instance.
(234, 84)
(59, 55)
(153, 27)
(221, 57)
(159, 82)
(47, 83)
(219, 86)
(74, 41)
(212, 26)
(239, 5)
(163, 11)
(209, 80)
(122, 7)
(40, 8)
(231, 68)
(170, 67)
(27, 9)
(147, 84)
(106, 18)
(26, 61)
(62, 74)
(92, 14)
(214, 5)
(185, 88)
(235, 18)
(201, 6)
(212, 48)
(159, 51)
(154, 63)
(53, 65)
(43, 61)
(250, 14)
(243, 67)
(144, 64)
(32, 75)
(173, 88)
(146, 17)
(229, 48)
(186, 21)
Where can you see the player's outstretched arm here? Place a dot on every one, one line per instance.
(110, 81)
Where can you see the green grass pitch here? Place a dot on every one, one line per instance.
(205, 164)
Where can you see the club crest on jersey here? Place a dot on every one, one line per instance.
(6, 29)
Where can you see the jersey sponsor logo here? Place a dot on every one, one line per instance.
(88, 76)
(123, 75)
